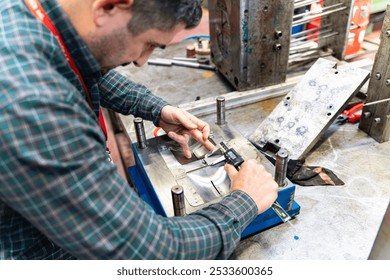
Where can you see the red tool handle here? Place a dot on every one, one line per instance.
(352, 117)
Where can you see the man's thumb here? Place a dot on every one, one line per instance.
(230, 170)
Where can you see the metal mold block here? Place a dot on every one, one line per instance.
(305, 113)
(250, 40)
(159, 167)
(376, 122)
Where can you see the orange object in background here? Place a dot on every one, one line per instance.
(360, 21)
(316, 23)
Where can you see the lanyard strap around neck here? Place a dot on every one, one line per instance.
(36, 9)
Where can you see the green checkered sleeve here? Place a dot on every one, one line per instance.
(59, 196)
(121, 95)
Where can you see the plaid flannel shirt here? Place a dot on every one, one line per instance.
(59, 196)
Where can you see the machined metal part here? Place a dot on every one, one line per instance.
(321, 34)
(190, 59)
(178, 201)
(140, 132)
(221, 110)
(378, 93)
(309, 16)
(194, 65)
(377, 102)
(170, 62)
(304, 3)
(281, 163)
(160, 61)
(334, 17)
(305, 32)
(247, 53)
(281, 212)
(341, 22)
(305, 113)
(203, 184)
(236, 99)
(367, 115)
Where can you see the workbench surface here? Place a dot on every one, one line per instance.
(335, 222)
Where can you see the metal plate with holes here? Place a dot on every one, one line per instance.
(310, 108)
(376, 121)
(249, 54)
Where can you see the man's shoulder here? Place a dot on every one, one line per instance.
(30, 59)
(19, 28)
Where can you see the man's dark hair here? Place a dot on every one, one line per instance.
(164, 15)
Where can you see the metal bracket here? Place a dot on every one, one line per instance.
(376, 117)
(305, 113)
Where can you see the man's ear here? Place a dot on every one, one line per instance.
(102, 10)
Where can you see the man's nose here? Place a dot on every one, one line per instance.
(142, 59)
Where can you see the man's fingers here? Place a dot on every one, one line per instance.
(198, 136)
(205, 132)
(183, 141)
(230, 170)
(209, 146)
(186, 120)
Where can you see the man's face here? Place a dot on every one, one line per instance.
(120, 46)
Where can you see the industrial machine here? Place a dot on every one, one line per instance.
(174, 185)
(257, 43)
(249, 40)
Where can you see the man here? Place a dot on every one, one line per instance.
(59, 196)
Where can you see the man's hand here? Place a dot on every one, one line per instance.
(181, 125)
(254, 180)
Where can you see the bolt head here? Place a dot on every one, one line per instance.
(388, 32)
(278, 47)
(367, 115)
(278, 34)
(378, 76)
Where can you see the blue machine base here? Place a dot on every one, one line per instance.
(265, 220)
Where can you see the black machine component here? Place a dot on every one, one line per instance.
(231, 156)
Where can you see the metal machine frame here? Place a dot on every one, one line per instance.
(376, 112)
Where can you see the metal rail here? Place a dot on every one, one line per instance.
(310, 18)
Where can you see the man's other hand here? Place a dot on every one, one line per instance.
(254, 180)
(181, 125)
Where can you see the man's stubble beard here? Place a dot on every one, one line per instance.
(107, 48)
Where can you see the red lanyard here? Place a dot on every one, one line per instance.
(37, 10)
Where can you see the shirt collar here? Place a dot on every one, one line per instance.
(85, 61)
